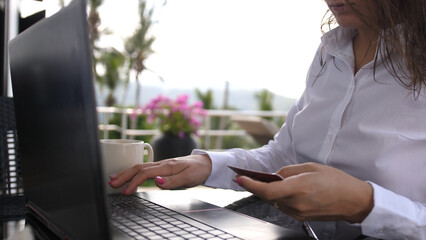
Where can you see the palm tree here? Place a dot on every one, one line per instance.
(265, 99)
(113, 61)
(139, 46)
(94, 21)
(206, 98)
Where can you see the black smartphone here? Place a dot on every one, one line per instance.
(260, 176)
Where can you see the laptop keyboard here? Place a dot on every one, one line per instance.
(142, 219)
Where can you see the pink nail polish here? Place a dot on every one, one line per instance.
(159, 180)
(111, 182)
(239, 182)
(124, 191)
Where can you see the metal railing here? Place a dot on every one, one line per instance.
(206, 131)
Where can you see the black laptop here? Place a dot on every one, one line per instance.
(61, 163)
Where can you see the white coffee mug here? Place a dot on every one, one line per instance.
(120, 154)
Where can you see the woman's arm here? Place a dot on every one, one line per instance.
(313, 191)
(269, 158)
(394, 216)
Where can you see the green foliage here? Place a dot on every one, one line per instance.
(238, 141)
(94, 22)
(227, 141)
(139, 46)
(265, 99)
(206, 98)
(113, 61)
(148, 183)
(280, 121)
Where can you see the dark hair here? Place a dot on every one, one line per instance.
(400, 24)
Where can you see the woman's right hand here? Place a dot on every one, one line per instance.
(188, 171)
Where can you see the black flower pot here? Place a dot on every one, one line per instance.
(170, 146)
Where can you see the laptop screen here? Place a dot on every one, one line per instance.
(57, 126)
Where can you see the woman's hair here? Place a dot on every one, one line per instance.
(401, 25)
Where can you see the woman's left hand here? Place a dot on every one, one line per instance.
(312, 191)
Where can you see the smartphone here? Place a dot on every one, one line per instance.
(260, 176)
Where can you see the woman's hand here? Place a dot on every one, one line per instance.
(186, 171)
(313, 191)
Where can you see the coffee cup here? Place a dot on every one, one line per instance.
(120, 154)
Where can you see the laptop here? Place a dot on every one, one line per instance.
(57, 126)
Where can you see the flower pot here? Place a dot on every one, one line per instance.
(170, 146)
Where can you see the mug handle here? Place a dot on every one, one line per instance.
(150, 152)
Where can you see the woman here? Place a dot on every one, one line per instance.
(353, 147)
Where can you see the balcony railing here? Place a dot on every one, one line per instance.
(206, 131)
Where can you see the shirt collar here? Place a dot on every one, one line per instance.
(338, 43)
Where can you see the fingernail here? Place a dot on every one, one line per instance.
(238, 181)
(113, 175)
(111, 182)
(124, 191)
(159, 180)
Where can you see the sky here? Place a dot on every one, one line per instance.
(252, 44)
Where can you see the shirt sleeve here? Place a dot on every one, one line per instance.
(394, 216)
(269, 158)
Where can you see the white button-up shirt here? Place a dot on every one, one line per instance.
(365, 124)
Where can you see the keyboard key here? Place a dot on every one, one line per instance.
(216, 232)
(206, 236)
(188, 236)
(176, 238)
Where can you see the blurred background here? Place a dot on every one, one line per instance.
(247, 45)
(233, 55)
